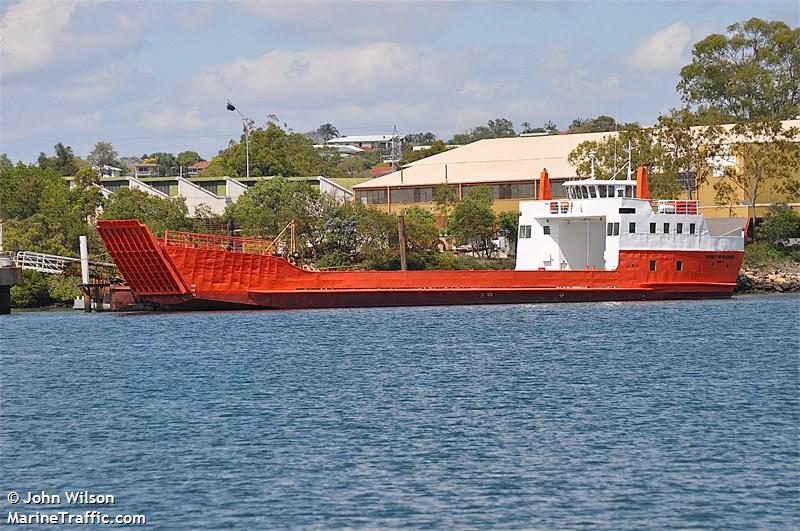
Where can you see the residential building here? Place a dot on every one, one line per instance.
(145, 169)
(367, 142)
(197, 167)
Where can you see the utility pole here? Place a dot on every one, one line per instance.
(247, 127)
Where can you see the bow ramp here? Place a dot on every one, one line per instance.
(144, 264)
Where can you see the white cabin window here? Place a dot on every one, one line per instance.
(632, 227)
(602, 190)
(592, 192)
(691, 228)
(546, 229)
(612, 229)
(666, 228)
(679, 228)
(524, 231)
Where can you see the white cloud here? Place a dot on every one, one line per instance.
(663, 50)
(31, 31)
(101, 86)
(334, 75)
(172, 119)
(66, 34)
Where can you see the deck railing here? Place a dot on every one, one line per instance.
(674, 206)
(236, 244)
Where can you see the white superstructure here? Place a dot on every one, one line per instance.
(600, 218)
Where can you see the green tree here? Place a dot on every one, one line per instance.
(64, 161)
(5, 162)
(42, 214)
(409, 155)
(508, 226)
(423, 237)
(473, 221)
(751, 72)
(600, 124)
(497, 128)
(187, 158)
(266, 208)
(780, 223)
(549, 127)
(103, 154)
(764, 155)
(611, 156)
(445, 198)
(273, 151)
(685, 149)
(419, 139)
(167, 162)
(157, 213)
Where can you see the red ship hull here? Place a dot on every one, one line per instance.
(186, 277)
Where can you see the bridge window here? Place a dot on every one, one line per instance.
(602, 190)
(679, 228)
(652, 228)
(629, 191)
(666, 228)
(632, 227)
(691, 228)
(679, 265)
(652, 265)
(593, 191)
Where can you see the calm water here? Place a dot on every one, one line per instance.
(632, 415)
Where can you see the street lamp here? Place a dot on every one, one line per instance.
(247, 126)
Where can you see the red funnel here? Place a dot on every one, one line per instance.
(642, 186)
(544, 186)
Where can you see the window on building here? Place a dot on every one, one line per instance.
(632, 227)
(652, 265)
(691, 228)
(525, 231)
(546, 229)
(666, 228)
(371, 197)
(412, 195)
(652, 228)
(679, 265)
(679, 228)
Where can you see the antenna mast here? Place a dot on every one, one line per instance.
(394, 149)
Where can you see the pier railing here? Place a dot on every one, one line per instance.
(674, 206)
(236, 244)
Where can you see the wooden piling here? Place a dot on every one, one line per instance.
(401, 231)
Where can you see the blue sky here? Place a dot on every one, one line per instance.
(154, 76)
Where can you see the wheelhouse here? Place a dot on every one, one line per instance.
(600, 189)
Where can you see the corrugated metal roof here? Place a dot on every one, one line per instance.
(360, 138)
(496, 159)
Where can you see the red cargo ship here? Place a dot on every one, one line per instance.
(607, 241)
